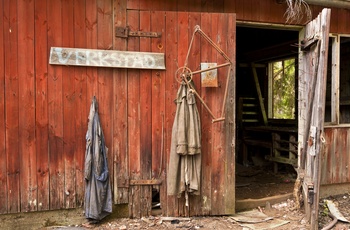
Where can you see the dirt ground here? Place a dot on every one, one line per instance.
(252, 183)
(281, 211)
(342, 202)
(257, 182)
(295, 219)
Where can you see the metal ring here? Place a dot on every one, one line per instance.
(185, 74)
(323, 140)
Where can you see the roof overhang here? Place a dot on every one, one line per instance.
(330, 3)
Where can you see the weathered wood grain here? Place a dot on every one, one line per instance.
(182, 48)
(69, 108)
(55, 110)
(158, 109)
(82, 99)
(171, 86)
(120, 127)
(205, 54)
(41, 108)
(105, 77)
(3, 154)
(134, 121)
(12, 106)
(146, 118)
(195, 60)
(26, 87)
(230, 118)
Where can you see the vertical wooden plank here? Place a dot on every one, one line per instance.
(218, 159)
(171, 86)
(205, 56)
(55, 110)
(183, 44)
(194, 6)
(182, 6)
(229, 6)
(158, 109)
(194, 63)
(239, 9)
(346, 22)
(69, 107)
(334, 21)
(145, 119)
(3, 156)
(230, 118)
(133, 4)
(249, 8)
(91, 42)
(26, 142)
(11, 105)
(342, 19)
(207, 6)
(171, 5)
(120, 133)
(332, 159)
(105, 76)
(145, 5)
(344, 158)
(264, 9)
(338, 157)
(41, 104)
(92, 85)
(326, 157)
(134, 119)
(80, 102)
(277, 12)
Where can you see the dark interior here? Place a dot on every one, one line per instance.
(266, 148)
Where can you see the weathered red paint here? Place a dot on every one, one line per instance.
(45, 107)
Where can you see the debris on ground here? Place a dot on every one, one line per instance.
(334, 209)
(278, 216)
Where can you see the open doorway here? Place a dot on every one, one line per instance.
(267, 121)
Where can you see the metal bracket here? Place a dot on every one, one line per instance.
(307, 43)
(311, 193)
(124, 32)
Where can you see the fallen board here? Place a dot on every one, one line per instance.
(106, 58)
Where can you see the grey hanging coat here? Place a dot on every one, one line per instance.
(184, 173)
(98, 194)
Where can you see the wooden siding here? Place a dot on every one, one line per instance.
(266, 11)
(336, 159)
(150, 96)
(44, 108)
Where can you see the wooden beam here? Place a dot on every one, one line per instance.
(106, 58)
(274, 52)
(146, 182)
(258, 90)
(330, 3)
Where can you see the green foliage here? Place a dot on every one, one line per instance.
(284, 89)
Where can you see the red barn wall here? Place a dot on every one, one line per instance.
(44, 108)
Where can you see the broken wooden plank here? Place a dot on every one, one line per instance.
(106, 58)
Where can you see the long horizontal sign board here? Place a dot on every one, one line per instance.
(106, 58)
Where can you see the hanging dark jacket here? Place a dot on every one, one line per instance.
(98, 194)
